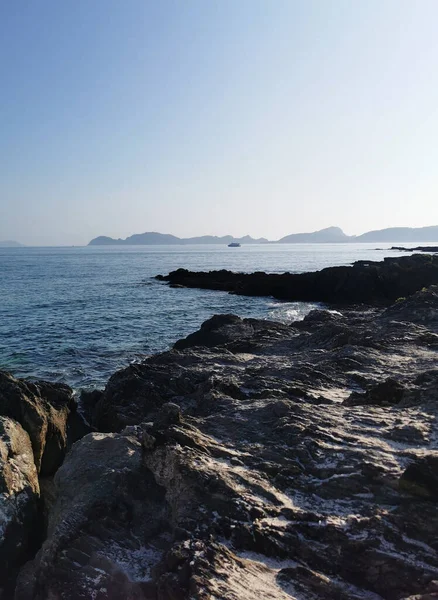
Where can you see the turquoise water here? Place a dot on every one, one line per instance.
(78, 314)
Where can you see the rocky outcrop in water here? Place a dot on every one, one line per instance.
(258, 460)
(365, 282)
(416, 249)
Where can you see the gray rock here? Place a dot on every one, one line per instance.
(46, 411)
(19, 496)
(107, 529)
(223, 329)
(241, 473)
(418, 308)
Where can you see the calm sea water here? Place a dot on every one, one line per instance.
(78, 314)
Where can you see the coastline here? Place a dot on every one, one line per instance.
(364, 282)
(76, 315)
(295, 458)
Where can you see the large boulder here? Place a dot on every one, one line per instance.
(137, 393)
(108, 525)
(421, 307)
(19, 497)
(46, 411)
(225, 329)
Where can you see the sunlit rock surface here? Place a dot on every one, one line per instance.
(47, 412)
(258, 460)
(19, 498)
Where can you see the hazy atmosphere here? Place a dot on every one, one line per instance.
(219, 300)
(215, 117)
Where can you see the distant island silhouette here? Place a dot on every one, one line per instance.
(10, 244)
(323, 236)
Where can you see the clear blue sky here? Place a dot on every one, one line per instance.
(216, 116)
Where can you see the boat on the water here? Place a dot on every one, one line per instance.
(234, 245)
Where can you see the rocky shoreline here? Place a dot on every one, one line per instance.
(416, 249)
(253, 460)
(365, 282)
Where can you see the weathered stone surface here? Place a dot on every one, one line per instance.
(420, 308)
(222, 329)
(232, 506)
(46, 411)
(19, 495)
(364, 355)
(239, 472)
(108, 526)
(364, 282)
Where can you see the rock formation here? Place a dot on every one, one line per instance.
(416, 249)
(38, 423)
(19, 499)
(46, 411)
(365, 282)
(257, 460)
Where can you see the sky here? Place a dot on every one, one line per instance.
(191, 117)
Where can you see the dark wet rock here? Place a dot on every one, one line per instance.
(416, 249)
(19, 498)
(430, 593)
(88, 400)
(387, 393)
(322, 316)
(223, 329)
(409, 434)
(364, 282)
(421, 307)
(421, 477)
(151, 384)
(170, 414)
(424, 389)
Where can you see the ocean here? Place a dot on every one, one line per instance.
(76, 315)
